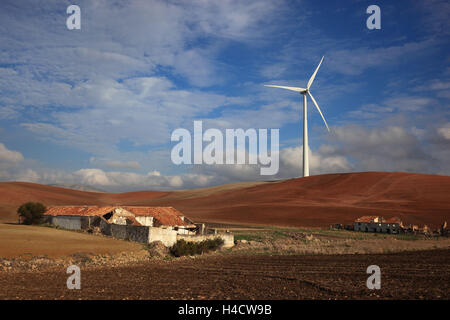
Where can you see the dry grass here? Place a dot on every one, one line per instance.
(288, 241)
(31, 241)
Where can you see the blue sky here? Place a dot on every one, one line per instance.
(97, 106)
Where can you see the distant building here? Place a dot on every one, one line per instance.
(377, 224)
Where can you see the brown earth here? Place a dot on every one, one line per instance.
(315, 201)
(407, 275)
(30, 241)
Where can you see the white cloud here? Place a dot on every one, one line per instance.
(390, 148)
(320, 161)
(444, 132)
(233, 19)
(9, 156)
(27, 175)
(94, 177)
(127, 110)
(105, 83)
(8, 112)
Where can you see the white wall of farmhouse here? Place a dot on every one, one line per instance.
(145, 220)
(167, 236)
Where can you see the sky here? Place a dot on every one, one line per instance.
(97, 106)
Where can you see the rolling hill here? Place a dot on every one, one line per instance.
(315, 201)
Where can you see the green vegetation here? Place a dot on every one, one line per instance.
(31, 212)
(183, 248)
(280, 234)
(248, 237)
(270, 233)
(409, 237)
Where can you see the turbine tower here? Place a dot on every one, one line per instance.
(304, 92)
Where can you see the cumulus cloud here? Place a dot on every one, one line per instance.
(324, 160)
(124, 111)
(291, 159)
(390, 148)
(444, 132)
(13, 166)
(197, 176)
(9, 156)
(350, 148)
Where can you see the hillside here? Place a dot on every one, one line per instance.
(315, 201)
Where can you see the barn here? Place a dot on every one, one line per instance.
(134, 223)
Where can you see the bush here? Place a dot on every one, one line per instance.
(184, 248)
(31, 212)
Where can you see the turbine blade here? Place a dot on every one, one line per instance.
(318, 109)
(314, 75)
(287, 88)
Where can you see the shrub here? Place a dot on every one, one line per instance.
(31, 212)
(184, 248)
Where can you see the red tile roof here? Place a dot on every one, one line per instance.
(369, 219)
(366, 219)
(167, 216)
(87, 211)
(393, 220)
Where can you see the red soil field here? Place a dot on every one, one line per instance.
(423, 275)
(315, 201)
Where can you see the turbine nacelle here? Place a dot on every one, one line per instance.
(305, 91)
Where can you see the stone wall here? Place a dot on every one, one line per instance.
(119, 231)
(105, 228)
(132, 233)
(138, 233)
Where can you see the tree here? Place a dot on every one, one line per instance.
(31, 212)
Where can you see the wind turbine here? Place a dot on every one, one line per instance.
(304, 92)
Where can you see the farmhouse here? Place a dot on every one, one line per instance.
(134, 223)
(377, 224)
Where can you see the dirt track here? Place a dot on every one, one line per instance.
(413, 275)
